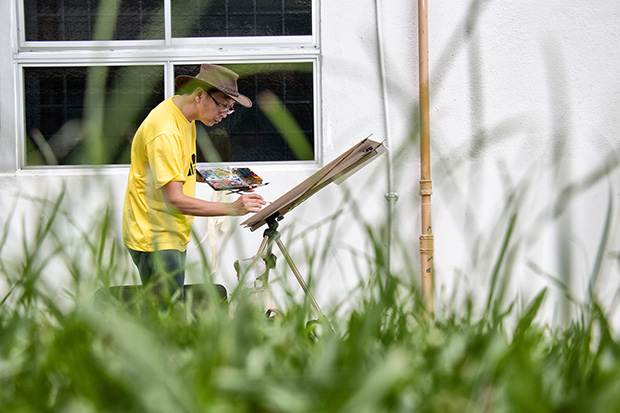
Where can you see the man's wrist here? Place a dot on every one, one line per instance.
(230, 208)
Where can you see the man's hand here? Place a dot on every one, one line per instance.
(187, 205)
(246, 203)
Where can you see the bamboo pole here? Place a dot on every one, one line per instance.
(426, 188)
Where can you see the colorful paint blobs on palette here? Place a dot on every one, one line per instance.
(224, 178)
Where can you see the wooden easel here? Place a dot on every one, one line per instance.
(336, 171)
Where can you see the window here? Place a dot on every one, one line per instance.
(57, 20)
(249, 135)
(65, 20)
(62, 103)
(225, 18)
(90, 74)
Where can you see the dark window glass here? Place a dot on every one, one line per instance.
(70, 20)
(226, 18)
(87, 115)
(248, 134)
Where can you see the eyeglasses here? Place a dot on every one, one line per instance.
(222, 108)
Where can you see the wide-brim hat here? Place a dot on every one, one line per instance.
(215, 77)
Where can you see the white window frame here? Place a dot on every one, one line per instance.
(167, 52)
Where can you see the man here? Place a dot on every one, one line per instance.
(160, 199)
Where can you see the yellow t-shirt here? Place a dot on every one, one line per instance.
(163, 150)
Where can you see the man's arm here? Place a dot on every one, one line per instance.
(187, 205)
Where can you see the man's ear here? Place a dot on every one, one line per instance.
(198, 92)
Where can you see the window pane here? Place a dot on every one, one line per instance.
(63, 122)
(70, 20)
(225, 18)
(248, 134)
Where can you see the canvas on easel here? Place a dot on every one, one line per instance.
(336, 171)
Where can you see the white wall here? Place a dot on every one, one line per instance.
(536, 84)
(524, 103)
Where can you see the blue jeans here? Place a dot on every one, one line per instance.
(164, 270)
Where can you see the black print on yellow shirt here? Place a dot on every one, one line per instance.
(192, 166)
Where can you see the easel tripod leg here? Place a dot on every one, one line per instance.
(262, 247)
(300, 279)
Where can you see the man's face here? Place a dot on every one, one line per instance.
(214, 106)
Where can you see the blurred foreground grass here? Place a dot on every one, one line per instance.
(385, 355)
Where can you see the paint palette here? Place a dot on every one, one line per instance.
(230, 179)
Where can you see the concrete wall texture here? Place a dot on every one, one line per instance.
(525, 155)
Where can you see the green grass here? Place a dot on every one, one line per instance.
(62, 352)
(385, 353)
